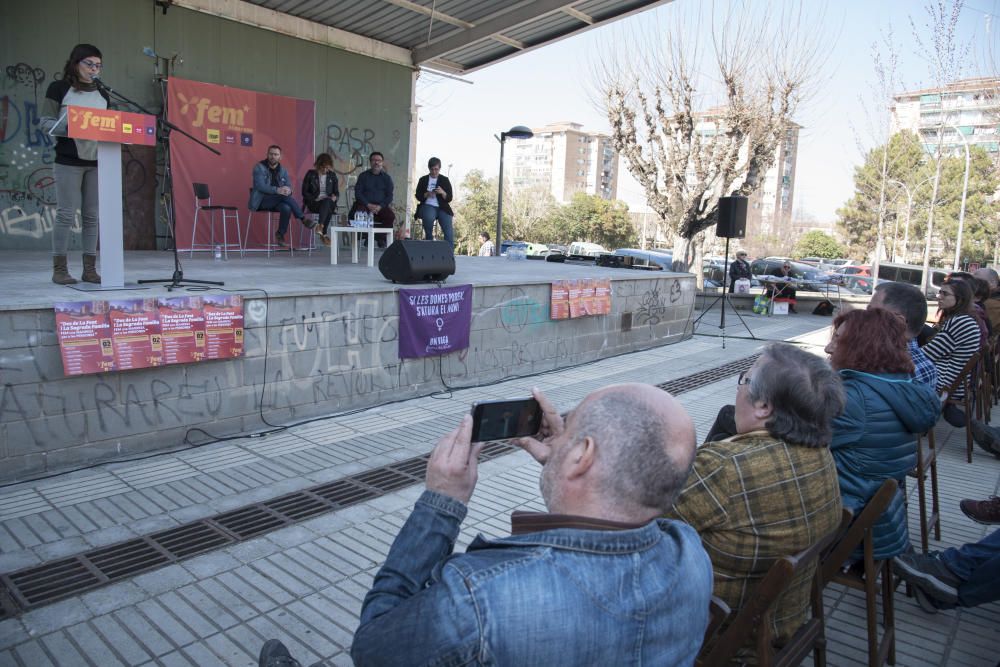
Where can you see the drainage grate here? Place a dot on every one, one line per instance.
(297, 506)
(343, 493)
(43, 584)
(51, 581)
(385, 479)
(249, 521)
(700, 379)
(127, 558)
(190, 539)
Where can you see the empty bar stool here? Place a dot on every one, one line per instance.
(203, 202)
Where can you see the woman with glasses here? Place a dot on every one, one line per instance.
(958, 337)
(75, 167)
(874, 437)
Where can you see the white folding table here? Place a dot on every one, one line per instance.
(370, 231)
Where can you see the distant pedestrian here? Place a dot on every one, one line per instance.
(486, 249)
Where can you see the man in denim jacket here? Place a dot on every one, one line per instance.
(599, 581)
(272, 191)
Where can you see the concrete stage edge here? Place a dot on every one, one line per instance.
(323, 340)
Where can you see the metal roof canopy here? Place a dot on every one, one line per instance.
(454, 36)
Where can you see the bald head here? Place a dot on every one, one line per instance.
(989, 275)
(645, 444)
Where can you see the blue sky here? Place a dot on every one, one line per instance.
(458, 120)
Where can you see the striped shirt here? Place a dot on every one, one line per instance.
(951, 348)
(753, 499)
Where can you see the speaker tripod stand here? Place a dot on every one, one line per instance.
(729, 209)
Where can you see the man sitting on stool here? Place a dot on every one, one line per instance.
(373, 194)
(272, 191)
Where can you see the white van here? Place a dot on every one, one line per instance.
(584, 249)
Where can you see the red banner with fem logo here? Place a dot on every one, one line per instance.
(240, 124)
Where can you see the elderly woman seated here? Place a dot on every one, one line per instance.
(874, 438)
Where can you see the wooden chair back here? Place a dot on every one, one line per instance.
(860, 533)
(758, 614)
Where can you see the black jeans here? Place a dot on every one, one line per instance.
(325, 209)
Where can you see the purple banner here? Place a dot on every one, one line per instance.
(434, 321)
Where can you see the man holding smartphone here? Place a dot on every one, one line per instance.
(600, 580)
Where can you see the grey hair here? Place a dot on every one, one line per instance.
(989, 275)
(640, 467)
(804, 394)
(908, 301)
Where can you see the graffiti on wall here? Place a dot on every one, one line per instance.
(27, 187)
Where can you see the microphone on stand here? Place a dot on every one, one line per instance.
(100, 84)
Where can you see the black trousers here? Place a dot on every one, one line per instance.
(324, 208)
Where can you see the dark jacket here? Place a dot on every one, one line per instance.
(373, 188)
(444, 203)
(310, 187)
(740, 268)
(874, 439)
(264, 184)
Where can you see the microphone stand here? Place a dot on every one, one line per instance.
(166, 127)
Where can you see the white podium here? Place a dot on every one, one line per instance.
(110, 129)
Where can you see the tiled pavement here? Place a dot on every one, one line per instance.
(304, 584)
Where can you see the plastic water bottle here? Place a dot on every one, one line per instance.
(218, 253)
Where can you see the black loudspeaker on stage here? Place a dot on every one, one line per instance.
(412, 261)
(732, 218)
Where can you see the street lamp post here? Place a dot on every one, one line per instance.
(516, 132)
(965, 190)
(909, 208)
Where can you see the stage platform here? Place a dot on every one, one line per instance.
(319, 339)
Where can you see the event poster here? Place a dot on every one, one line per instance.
(84, 337)
(99, 336)
(559, 301)
(223, 326)
(434, 321)
(580, 298)
(182, 323)
(239, 124)
(135, 333)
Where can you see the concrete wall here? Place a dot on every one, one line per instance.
(362, 104)
(322, 354)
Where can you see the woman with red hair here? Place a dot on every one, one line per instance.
(874, 438)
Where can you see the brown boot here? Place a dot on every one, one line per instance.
(60, 274)
(90, 274)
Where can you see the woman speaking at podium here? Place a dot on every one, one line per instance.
(75, 168)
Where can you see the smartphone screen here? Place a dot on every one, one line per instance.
(499, 420)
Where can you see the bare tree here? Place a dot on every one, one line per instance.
(690, 137)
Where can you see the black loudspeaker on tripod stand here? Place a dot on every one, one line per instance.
(732, 223)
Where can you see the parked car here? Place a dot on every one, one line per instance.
(651, 260)
(584, 249)
(911, 274)
(814, 279)
(557, 249)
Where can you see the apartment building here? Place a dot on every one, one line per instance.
(565, 159)
(769, 211)
(964, 111)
